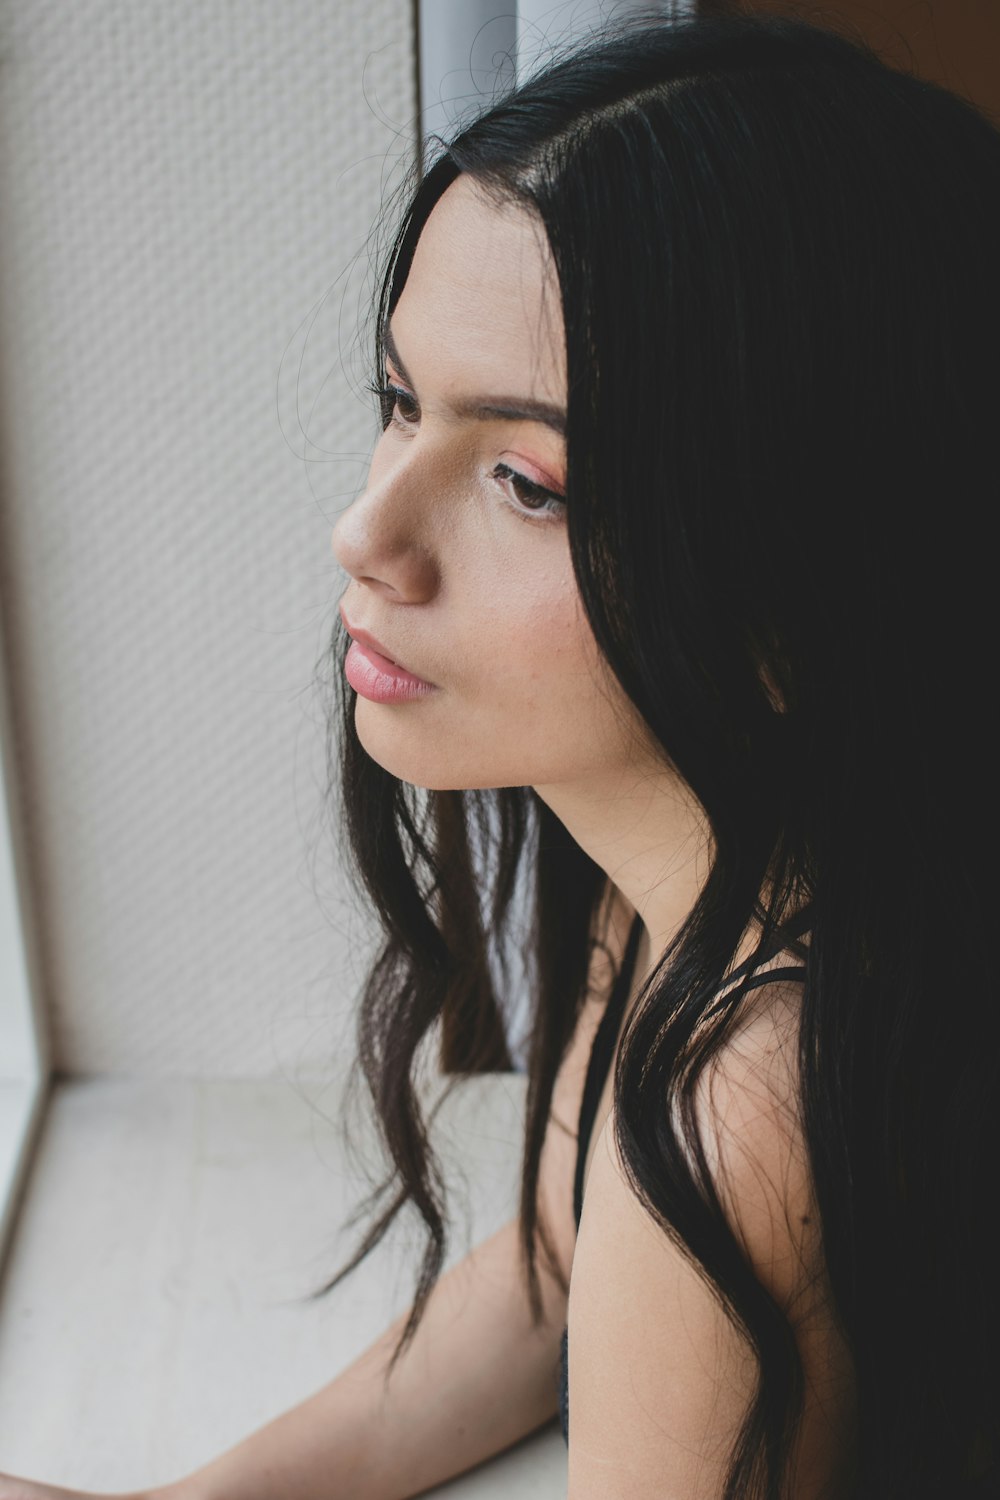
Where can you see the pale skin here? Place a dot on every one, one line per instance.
(465, 577)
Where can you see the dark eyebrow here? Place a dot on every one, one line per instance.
(491, 408)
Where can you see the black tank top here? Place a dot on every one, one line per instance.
(601, 1053)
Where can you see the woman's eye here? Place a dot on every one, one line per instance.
(393, 400)
(532, 502)
(536, 502)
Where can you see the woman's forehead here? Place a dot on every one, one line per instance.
(482, 286)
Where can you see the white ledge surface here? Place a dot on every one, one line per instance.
(151, 1310)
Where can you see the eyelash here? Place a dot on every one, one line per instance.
(388, 397)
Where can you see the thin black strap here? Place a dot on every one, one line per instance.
(600, 1058)
(796, 971)
(782, 937)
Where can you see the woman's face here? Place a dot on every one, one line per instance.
(457, 549)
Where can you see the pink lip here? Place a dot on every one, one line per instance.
(374, 675)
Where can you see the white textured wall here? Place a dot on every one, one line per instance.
(179, 185)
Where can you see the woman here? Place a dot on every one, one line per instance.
(669, 588)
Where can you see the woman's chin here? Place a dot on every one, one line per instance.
(429, 774)
(387, 746)
(436, 760)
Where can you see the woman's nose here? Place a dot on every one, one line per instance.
(378, 540)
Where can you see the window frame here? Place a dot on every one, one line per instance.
(25, 1048)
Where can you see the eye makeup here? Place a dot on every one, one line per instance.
(533, 502)
(539, 500)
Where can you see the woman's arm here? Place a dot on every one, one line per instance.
(659, 1379)
(476, 1378)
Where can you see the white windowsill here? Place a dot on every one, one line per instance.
(151, 1312)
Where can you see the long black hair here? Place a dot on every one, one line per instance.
(778, 267)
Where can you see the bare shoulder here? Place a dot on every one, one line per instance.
(659, 1378)
(557, 1165)
(749, 1119)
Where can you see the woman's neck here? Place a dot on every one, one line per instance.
(643, 827)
